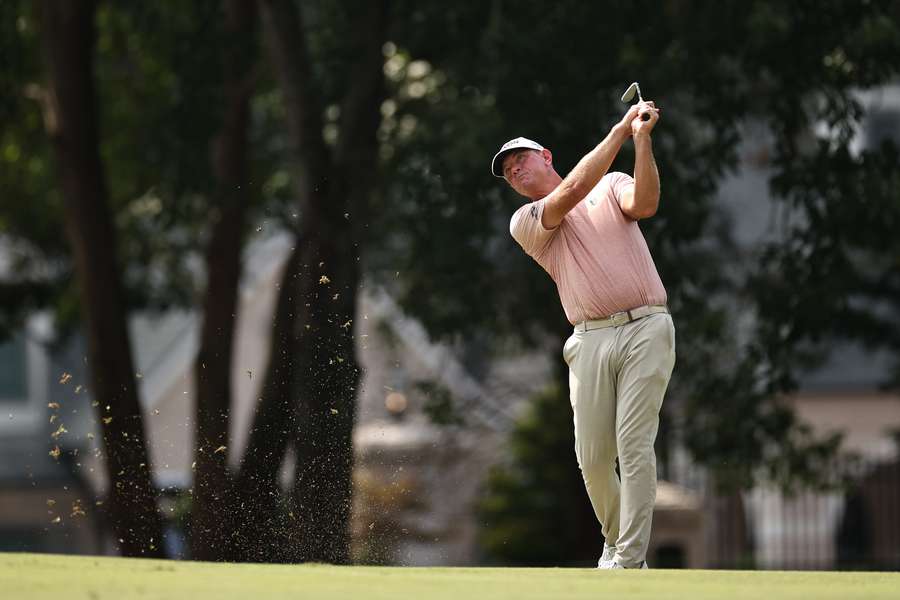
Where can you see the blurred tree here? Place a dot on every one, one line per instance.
(795, 68)
(830, 272)
(230, 203)
(535, 509)
(308, 399)
(32, 229)
(461, 79)
(70, 117)
(174, 78)
(168, 75)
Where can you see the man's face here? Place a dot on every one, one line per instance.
(525, 171)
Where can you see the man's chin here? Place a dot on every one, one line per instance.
(530, 193)
(523, 190)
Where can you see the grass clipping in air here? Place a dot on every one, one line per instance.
(39, 577)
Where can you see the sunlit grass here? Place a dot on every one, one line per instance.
(37, 576)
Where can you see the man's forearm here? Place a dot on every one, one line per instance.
(646, 178)
(582, 179)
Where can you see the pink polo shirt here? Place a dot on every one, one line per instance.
(597, 256)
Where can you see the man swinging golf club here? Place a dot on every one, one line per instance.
(583, 230)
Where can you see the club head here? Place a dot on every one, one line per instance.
(630, 92)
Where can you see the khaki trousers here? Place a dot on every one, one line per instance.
(617, 379)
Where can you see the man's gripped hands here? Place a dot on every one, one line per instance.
(632, 125)
(640, 127)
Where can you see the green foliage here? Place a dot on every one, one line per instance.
(463, 78)
(160, 102)
(439, 403)
(554, 73)
(38, 273)
(535, 510)
(158, 68)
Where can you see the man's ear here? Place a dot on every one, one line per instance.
(548, 157)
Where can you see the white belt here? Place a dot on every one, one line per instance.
(621, 318)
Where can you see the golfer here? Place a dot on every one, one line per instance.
(583, 230)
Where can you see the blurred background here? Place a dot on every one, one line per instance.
(260, 301)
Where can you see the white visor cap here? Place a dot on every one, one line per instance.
(513, 144)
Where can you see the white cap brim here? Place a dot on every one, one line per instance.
(513, 144)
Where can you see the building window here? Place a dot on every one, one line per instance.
(13, 371)
(882, 125)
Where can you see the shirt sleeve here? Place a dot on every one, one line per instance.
(527, 229)
(618, 184)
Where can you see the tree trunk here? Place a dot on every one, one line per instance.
(320, 283)
(328, 371)
(68, 36)
(263, 530)
(326, 376)
(211, 529)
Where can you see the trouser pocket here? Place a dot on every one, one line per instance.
(570, 348)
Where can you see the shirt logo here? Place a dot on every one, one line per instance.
(534, 212)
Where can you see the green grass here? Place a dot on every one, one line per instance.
(40, 576)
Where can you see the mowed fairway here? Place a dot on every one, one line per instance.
(34, 577)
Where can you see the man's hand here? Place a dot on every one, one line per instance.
(640, 127)
(623, 127)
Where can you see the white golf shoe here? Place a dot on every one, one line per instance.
(616, 565)
(606, 560)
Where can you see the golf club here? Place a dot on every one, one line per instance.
(629, 94)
